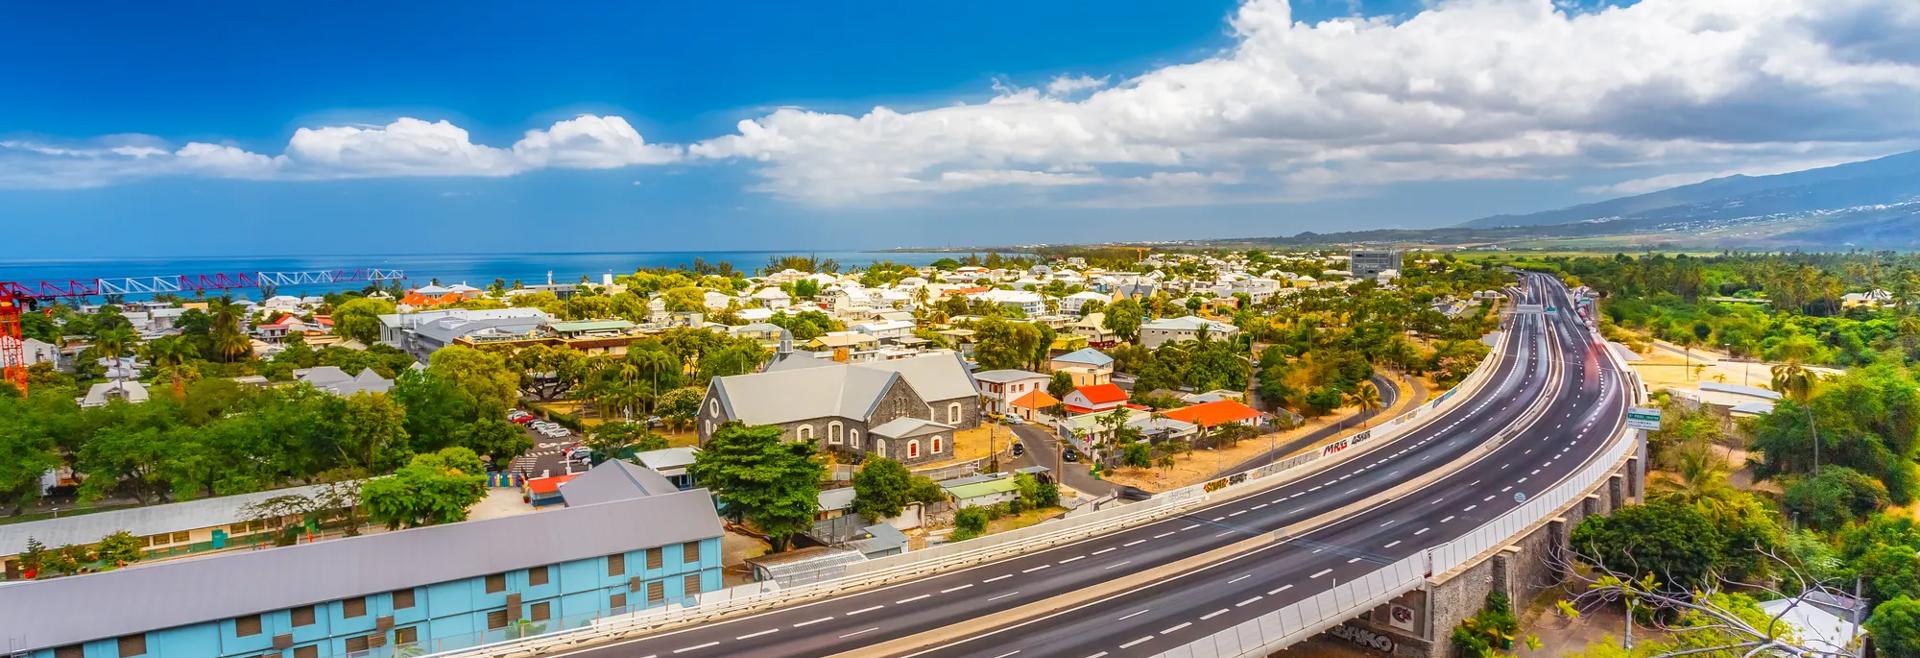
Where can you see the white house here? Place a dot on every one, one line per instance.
(886, 329)
(1173, 330)
(999, 388)
(1071, 304)
(772, 297)
(1026, 301)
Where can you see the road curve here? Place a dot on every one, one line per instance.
(1152, 619)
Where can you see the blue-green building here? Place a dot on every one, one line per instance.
(628, 540)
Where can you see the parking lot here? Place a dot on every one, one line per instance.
(550, 444)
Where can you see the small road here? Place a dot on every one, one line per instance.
(1043, 449)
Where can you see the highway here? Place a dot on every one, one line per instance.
(1545, 362)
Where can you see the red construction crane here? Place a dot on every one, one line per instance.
(17, 297)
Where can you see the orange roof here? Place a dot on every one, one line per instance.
(1215, 413)
(1102, 393)
(547, 485)
(1038, 399)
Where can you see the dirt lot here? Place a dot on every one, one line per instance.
(1201, 465)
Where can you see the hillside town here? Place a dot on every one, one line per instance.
(767, 425)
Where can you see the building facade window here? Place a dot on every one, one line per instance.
(656, 593)
(936, 445)
(302, 616)
(405, 635)
(805, 432)
(538, 576)
(402, 599)
(496, 620)
(835, 433)
(309, 651)
(354, 607)
(617, 564)
(853, 437)
(247, 626)
(656, 558)
(618, 602)
(133, 645)
(713, 408)
(953, 414)
(913, 449)
(880, 447)
(690, 584)
(690, 553)
(541, 611)
(496, 583)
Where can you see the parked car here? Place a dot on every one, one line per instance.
(1070, 454)
(1019, 449)
(579, 453)
(1015, 420)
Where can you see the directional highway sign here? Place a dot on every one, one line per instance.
(1643, 418)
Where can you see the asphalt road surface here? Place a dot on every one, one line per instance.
(1585, 407)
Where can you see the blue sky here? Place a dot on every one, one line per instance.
(273, 128)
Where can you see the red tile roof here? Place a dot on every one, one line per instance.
(1215, 413)
(1038, 399)
(1102, 393)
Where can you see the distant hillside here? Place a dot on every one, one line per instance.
(1892, 179)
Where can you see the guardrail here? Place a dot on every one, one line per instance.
(1293, 623)
(757, 597)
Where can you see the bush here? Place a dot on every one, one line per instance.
(1834, 497)
(969, 522)
(1489, 631)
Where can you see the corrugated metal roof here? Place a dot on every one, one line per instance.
(988, 488)
(62, 611)
(141, 521)
(614, 479)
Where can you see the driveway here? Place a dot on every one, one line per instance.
(1043, 449)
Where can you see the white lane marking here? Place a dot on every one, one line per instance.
(1353, 560)
(1213, 614)
(1296, 494)
(1108, 549)
(1320, 573)
(858, 632)
(1392, 544)
(912, 599)
(695, 647)
(1297, 510)
(1386, 523)
(865, 610)
(1218, 519)
(1449, 518)
(1260, 506)
(951, 590)
(1469, 508)
(1280, 589)
(1436, 501)
(1248, 602)
(1133, 614)
(1520, 481)
(1002, 577)
(1130, 645)
(1223, 534)
(1238, 513)
(1176, 627)
(1138, 542)
(1076, 557)
(1116, 564)
(1487, 499)
(1190, 527)
(1163, 535)
(1098, 655)
(1009, 653)
(816, 621)
(1506, 488)
(1242, 577)
(1002, 596)
(753, 635)
(1043, 566)
(1416, 533)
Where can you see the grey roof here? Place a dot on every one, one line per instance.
(833, 499)
(1004, 376)
(1087, 356)
(799, 388)
(614, 479)
(336, 381)
(882, 540)
(61, 611)
(141, 521)
(1736, 389)
(908, 427)
(103, 392)
(666, 458)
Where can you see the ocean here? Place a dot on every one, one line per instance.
(473, 269)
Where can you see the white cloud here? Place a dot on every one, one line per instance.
(591, 142)
(404, 147)
(1464, 89)
(1064, 86)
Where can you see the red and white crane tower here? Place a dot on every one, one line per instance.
(20, 297)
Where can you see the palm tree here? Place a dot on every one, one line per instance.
(169, 355)
(228, 340)
(112, 343)
(1793, 380)
(1367, 398)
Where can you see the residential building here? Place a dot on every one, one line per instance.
(671, 463)
(981, 490)
(1092, 327)
(1084, 431)
(1029, 303)
(999, 388)
(420, 334)
(1071, 304)
(124, 390)
(1174, 330)
(1368, 263)
(1094, 399)
(422, 590)
(336, 381)
(1209, 415)
(1033, 404)
(906, 409)
(1088, 367)
(886, 330)
(32, 351)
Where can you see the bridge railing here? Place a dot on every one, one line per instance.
(1281, 628)
(709, 606)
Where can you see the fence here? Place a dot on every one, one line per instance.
(709, 606)
(1293, 623)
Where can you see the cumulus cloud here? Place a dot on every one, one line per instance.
(1464, 89)
(404, 147)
